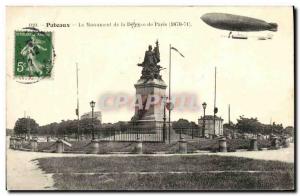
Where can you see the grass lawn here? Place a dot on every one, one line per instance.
(201, 172)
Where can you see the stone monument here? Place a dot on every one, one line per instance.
(150, 88)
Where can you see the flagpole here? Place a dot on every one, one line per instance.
(229, 114)
(215, 101)
(169, 129)
(77, 102)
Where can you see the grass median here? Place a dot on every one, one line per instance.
(201, 172)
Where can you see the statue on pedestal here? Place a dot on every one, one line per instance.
(150, 86)
(151, 69)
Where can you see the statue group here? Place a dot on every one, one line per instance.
(151, 69)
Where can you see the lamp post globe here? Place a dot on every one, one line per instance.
(92, 104)
(204, 105)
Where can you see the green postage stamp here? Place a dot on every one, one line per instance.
(33, 55)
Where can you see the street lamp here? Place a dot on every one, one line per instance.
(203, 124)
(92, 104)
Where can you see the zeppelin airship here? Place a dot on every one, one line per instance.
(238, 23)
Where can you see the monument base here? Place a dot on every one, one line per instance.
(149, 115)
(148, 126)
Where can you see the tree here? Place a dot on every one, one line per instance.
(69, 127)
(24, 125)
(183, 123)
(248, 125)
(252, 125)
(277, 128)
(289, 130)
(49, 129)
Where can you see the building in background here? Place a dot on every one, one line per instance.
(97, 115)
(209, 125)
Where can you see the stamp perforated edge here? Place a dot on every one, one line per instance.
(26, 80)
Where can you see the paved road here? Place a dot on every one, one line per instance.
(24, 174)
(284, 154)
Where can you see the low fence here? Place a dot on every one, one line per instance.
(192, 133)
(148, 134)
(130, 134)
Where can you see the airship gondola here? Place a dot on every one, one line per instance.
(239, 36)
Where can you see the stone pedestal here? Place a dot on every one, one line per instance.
(253, 145)
(95, 146)
(23, 141)
(149, 106)
(182, 146)
(34, 145)
(138, 146)
(59, 146)
(222, 145)
(18, 144)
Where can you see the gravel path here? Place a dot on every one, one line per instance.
(24, 174)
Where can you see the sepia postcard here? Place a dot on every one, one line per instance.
(150, 98)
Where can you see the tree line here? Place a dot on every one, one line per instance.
(24, 126)
(253, 126)
(243, 125)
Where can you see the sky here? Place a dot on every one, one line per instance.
(255, 77)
